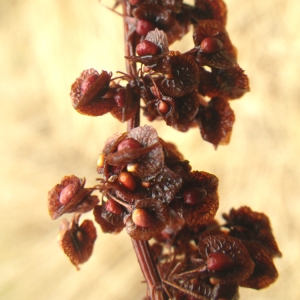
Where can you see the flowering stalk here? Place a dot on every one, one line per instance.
(141, 247)
(147, 186)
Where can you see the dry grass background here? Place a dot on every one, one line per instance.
(44, 47)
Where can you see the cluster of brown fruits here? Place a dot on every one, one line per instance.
(147, 186)
(184, 89)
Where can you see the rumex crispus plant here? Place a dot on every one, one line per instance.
(147, 187)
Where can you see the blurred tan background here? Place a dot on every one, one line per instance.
(44, 46)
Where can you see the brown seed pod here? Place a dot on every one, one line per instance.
(87, 92)
(77, 241)
(151, 50)
(199, 201)
(185, 110)
(126, 103)
(215, 47)
(265, 272)
(246, 224)
(109, 216)
(216, 121)
(183, 77)
(227, 257)
(70, 196)
(149, 157)
(151, 217)
(229, 83)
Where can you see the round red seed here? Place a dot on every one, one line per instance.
(113, 207)
(129, 143)
(211, 45)
(79, 236)
(142, 218)
(68, 193)
(146, 48)
(87, 82)
(219, 261)
(120, 97)
(163, 107)
(143, 27)
(127, 180)
(193, 195)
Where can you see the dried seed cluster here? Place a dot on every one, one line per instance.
(147, 187)
(183, 89)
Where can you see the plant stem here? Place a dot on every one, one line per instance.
(142, 249)
(145, 259)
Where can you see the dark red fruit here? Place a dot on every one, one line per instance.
(87, 82)
(193, 195)
(143, 27)
(129, 143)
(142, 218)
(127, 180)
(119, 97)
(211, 45)
(68, 193)
(219, 261)
(163, 107)
(146, 48)
(113, 207)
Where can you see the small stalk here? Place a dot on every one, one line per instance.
(141, 248)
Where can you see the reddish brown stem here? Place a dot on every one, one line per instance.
(142, 249)
(144, 256)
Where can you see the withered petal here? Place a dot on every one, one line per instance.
(229, 83)
(109, 222)
(81, 200)
(160, 214)
(216, 121)
(242, 266)
(123, 114)
(184, 76)
(78, 241)
(205, 210)
(265, 272)
(184, 113)
(257, 224)
(153, 162)
(224, 58)
(91, 102)
(165, 185)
